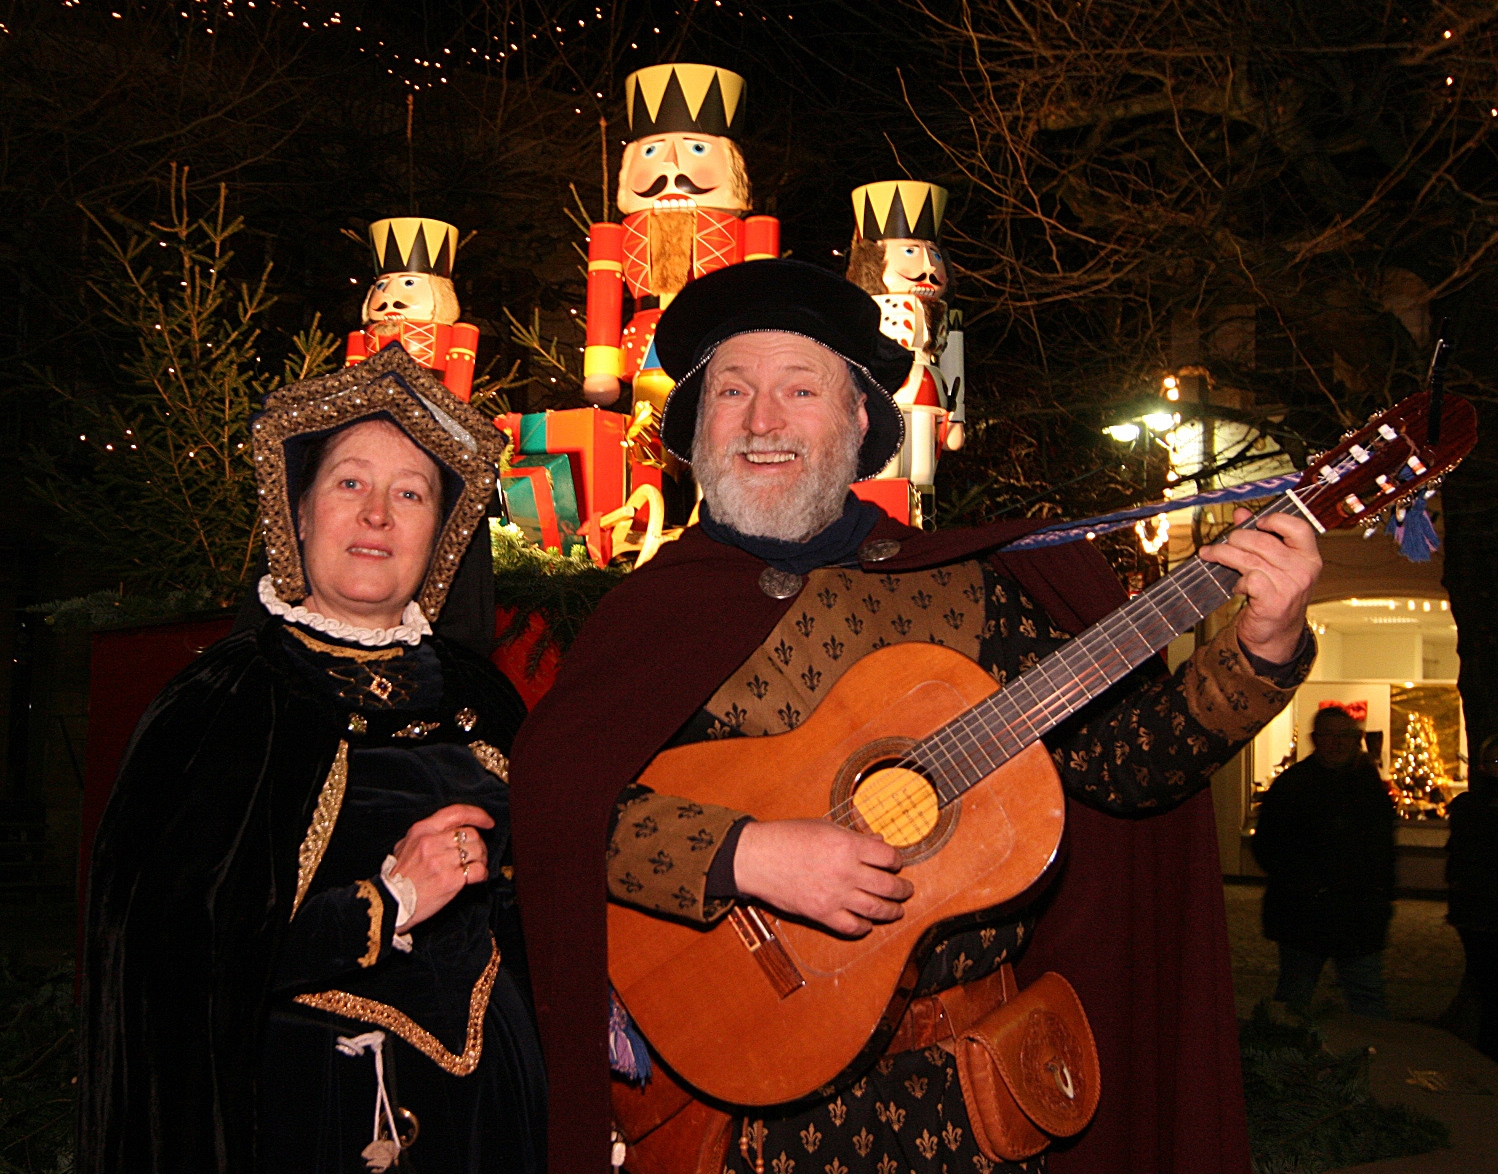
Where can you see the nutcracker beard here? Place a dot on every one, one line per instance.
(673, 237)
(790, 513)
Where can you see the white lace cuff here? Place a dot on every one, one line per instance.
(404, 893)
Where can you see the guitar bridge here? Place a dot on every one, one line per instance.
(760, 940)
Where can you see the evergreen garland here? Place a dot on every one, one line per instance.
(1310, 1110)
(563, 589)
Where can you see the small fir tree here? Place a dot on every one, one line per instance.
(1417, 772)
(166, 499)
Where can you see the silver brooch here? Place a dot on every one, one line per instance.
(466, 719)
(878, 550)
(779, 584)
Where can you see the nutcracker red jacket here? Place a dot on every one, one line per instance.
(1135, 921)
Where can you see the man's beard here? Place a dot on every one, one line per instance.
(792, 512)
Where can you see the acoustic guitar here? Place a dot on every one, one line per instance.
(916, 743)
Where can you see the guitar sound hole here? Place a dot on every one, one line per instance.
(877, 791)
(897, 803)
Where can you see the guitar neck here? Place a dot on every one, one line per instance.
(975, 744)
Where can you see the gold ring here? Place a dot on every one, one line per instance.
(465, 872)
(463, 856)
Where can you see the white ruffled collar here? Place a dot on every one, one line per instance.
(410, 630)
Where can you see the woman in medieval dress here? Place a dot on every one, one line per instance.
(303, 951)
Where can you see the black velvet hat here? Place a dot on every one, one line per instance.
(789, 296)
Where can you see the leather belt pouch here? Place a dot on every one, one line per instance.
(1029, 1071)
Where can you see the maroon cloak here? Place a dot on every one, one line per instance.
(1136, 920)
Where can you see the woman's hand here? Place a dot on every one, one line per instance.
(442, 853)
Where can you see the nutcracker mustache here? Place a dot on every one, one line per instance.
(683, 184)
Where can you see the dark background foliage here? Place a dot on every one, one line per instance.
(1282, 198)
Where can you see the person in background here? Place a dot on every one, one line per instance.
(1472, 886)
(1326, 839)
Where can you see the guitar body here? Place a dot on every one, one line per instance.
(761, 1009)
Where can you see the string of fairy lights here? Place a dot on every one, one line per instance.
(492, 49)
(415, 71)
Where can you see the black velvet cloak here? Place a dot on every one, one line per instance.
(195, 870)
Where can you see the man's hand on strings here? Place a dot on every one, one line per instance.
(1278, 563)
(825, 873)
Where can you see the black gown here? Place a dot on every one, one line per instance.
(239, 929)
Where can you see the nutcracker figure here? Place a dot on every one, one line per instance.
(412, 301)
(685, 198)
(895, 258)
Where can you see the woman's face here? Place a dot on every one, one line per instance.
(368, 523)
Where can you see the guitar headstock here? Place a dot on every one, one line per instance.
(1385, 462)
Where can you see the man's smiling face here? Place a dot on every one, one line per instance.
(778, 433)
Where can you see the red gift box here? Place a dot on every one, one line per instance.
(891, 495)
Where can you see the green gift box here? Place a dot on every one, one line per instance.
(563, 494)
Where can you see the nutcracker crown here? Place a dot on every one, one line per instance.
(899, 209)
(413, 244)
(684, 99)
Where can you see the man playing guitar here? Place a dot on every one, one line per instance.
(784, 396)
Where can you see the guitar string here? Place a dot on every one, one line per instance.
(1062, 700)
(1065, 700)
(1086, 643)
(1081, 686)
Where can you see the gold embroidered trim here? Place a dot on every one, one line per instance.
(491, 760)
(393, 385)
(362, 655)
(329, 803)
(376, 922)
(382, 1015)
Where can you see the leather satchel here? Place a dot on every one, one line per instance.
(1029, 1070)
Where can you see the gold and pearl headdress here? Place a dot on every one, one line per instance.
(391, 386)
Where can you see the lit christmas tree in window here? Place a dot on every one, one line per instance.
(1417, 777)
